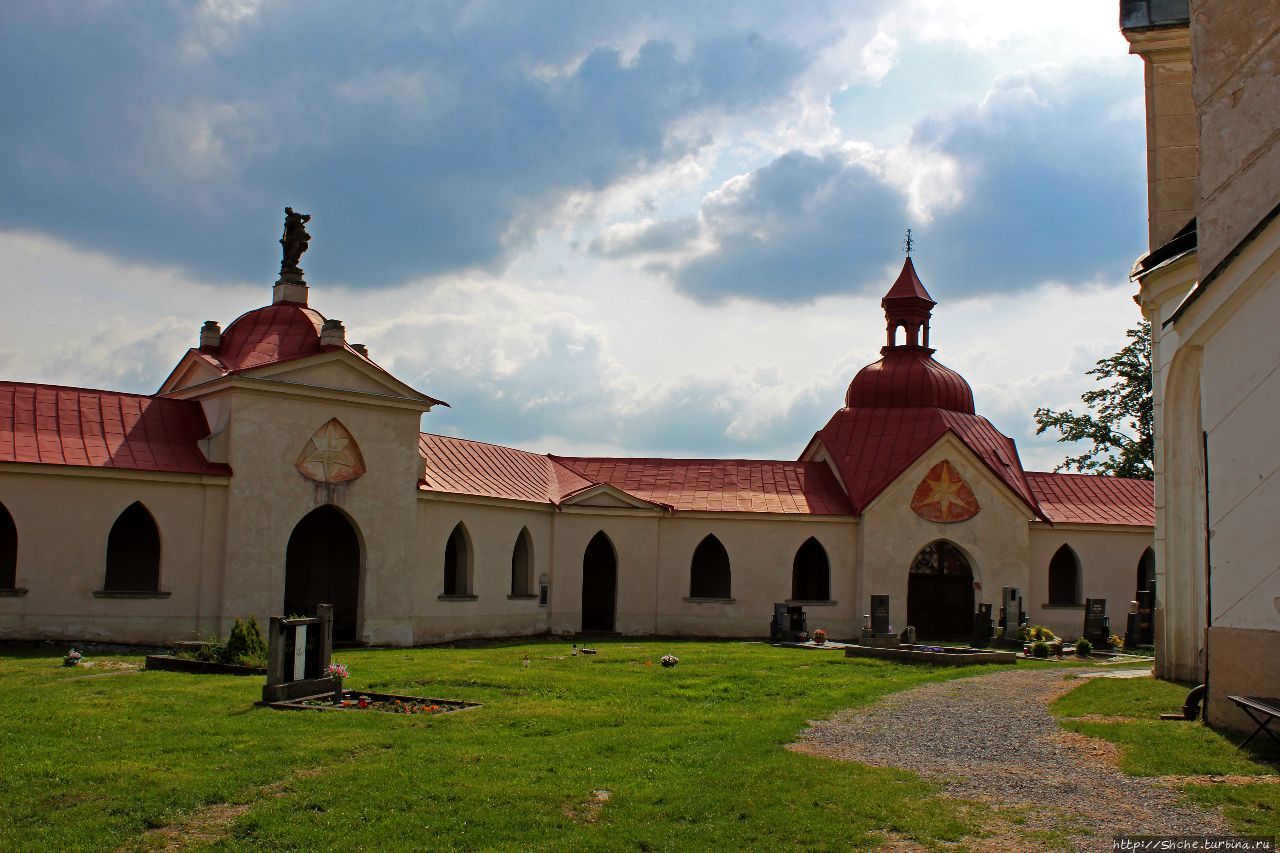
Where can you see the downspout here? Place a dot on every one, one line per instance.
(1208, 573)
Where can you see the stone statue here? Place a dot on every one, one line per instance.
(294, 241)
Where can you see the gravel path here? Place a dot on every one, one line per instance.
(993, 740)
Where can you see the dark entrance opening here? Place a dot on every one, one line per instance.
(8, 550)
(1147, 573)
(599, 584)
(133, 552)
(940, 593)
(322, 566)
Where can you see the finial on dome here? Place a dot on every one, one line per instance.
(908, 243)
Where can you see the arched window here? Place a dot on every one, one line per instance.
(457, 562)
(522, 564)
(709, 575)
(811, 573)
(1147, 571)
(8, 550)
(133, 552)
(1064, 577)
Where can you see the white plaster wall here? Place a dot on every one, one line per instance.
(63, 519)
(492, 529)
(995, 540)
(1109, 558)
(268, 497)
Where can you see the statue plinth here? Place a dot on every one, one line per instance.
(290, 287)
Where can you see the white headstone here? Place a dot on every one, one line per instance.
(299, 652)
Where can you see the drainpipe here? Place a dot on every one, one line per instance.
(1208, 574)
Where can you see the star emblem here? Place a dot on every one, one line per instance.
(944, 496)
(331, 455)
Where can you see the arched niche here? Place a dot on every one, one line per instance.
(322, 566)
(709, 572)
(811, 572)
(133, 552)
(522, 564)
(8, 550)
(1065, 581)
(458, 562)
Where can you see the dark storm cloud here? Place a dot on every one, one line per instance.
(423, 138)
(1052, 181)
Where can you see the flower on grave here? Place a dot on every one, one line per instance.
(820, 636)
(72, 658)
(670, 660)
(336, 671)
(363, 702)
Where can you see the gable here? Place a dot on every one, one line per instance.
(339, 373)
(605, 496)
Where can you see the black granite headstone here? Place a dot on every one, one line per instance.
(1097, 628)
(880, 615)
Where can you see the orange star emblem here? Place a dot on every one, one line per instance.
(944, 496)
(331, 455)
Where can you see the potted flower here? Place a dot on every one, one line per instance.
(337, 672)
(669, 661)
(72, 658)
(819, 636)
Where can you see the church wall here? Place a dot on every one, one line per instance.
(636, 539)
(996, 540)
(269, 496)
(64, 517)
(761, 549)
(1109, 558)
(492, 529)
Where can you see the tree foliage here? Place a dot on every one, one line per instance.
(1118, 421)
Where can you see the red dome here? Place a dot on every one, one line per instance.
(277, 332)
(907, 377)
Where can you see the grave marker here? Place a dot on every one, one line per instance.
(1097, 627)
(880, 615)
(298, 651)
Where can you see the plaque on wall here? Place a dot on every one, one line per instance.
(944, 496)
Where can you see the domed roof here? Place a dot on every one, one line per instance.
(279, 332)
(909, 377)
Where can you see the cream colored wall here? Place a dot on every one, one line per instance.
(1236, 49)
(268, 497)
(1109, 558)
(492, 529)
(761, 550)
(63, 517)
(995, 540)
(1171, 129)
(635, 535)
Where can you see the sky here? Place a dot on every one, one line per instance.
(591, 227)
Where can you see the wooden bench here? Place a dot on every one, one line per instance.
(1262, 710)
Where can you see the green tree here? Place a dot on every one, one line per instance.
(1119, 418)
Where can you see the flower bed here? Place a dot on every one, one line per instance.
(386, 703)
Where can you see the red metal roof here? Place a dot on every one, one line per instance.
(871, 447)
(280, 332)
(907, 286)
(1094, 499)
(909, 377)
(720, 485)
(57, 425)
(459, 466)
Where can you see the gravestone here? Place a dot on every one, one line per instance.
(880, 616)
(778, 627)
(1097, 627)
(1146, 626)
(1011, 616)
(298, 651)
(983, 626)
(797, 621)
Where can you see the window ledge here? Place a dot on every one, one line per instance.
(457, 597)
(533, 597)
(699, 599)
(808, 603)
(1062, 607)
(13, 592)
(130, 593)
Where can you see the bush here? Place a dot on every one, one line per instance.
(246, 645)
(1084, 648)
(1040, 649)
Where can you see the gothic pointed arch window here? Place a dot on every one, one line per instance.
(133, 552)
(1064, 577)
(457, 563)
(8, 550)
(709, 572)
(811, 573)
(522, 565)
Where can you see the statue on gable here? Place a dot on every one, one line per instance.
(294, 241)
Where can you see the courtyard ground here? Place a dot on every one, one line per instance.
(589, 752)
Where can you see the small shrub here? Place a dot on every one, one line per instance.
(246, 643)
(1084, 648)
(1040, 649)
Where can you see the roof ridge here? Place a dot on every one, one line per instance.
(17, 383)
(422, 434)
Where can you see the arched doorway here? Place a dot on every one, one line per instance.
(599, 584)
(322, 566)
(940, 592)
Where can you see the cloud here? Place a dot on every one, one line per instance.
(421, 143)
(646, 237)
(1041, 181)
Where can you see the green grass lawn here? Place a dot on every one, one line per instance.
(1150, 746)
(692, 757)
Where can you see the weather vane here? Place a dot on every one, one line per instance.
(909, 243)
